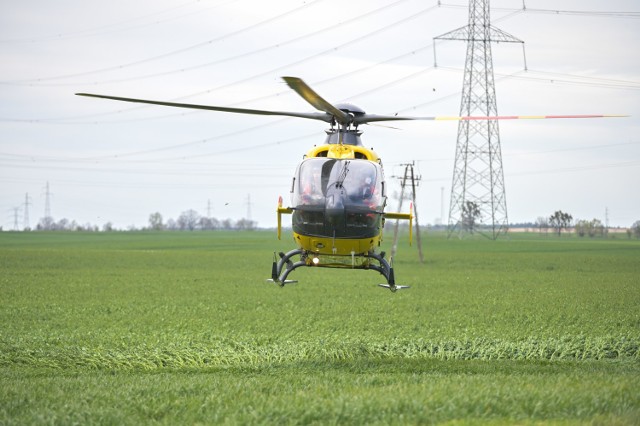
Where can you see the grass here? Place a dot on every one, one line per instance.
(127, 328)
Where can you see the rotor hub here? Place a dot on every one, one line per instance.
(350, 109)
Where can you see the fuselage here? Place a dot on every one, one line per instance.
(338, 196)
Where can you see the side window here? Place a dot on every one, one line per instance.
(307, 186)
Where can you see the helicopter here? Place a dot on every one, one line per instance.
(338, 191)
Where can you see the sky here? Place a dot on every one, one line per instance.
(112, 162)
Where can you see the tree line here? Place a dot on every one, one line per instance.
(189, 220)
(561, 222)
(558, 222)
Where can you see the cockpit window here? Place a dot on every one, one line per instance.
(338, 197)
(359, 180)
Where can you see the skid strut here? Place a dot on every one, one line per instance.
(282, 267)
(386, 270)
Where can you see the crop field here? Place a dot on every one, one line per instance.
(181, 328)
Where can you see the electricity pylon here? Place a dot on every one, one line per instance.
(25, 221)
(478, 178)
(47, 202)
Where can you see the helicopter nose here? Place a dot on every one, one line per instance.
(334, 209)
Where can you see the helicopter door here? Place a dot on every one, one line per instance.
(337, 198)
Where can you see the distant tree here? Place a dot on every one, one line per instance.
(597, 228)
(87, 227)
(227, 224)
(209, 223)
(172, 225)
(155, 222)
(45, 224)
(542, 223)
(582, 227)
(560, 220)
(592, 228)
(245, 225)
(61, 225)
(188, 220)
(470, 215)
(107, 227)
(635, 229)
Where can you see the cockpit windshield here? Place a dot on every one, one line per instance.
(343, 195)
(359, 180)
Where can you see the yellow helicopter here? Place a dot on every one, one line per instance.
(338, 194)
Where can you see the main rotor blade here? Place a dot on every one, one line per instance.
(370, 118)
(311, 115)
(529, 117)
(309, 95)
(331, 112)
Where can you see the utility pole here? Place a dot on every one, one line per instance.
(403, 183)
(415, 213)
(477, 175)
(408, 175)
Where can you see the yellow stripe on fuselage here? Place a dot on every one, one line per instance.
(337, 246)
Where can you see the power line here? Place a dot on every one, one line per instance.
(547, 151)
(164, 172)
(98, 30)
(604, 14)
(220, 183)
(168, 54)
(563, 78)
(580, 168)
(330, 28)
(268, 172)
(586, 168)
(65, 120)
(391, 60)
(362, 37)
(590, 81)
(262, 74)
(597, 13)
(366, 92)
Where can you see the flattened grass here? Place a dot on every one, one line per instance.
(181, 328)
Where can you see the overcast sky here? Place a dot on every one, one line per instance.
(116, 162)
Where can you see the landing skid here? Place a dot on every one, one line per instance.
(281, 268)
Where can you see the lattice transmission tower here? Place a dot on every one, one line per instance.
(25, 221)
(478, 200)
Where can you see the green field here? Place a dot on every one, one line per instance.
(181, 328)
